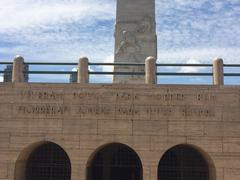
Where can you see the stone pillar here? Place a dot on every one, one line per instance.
(150, 70)
(83, 76)
(218, 75)
(18, 69)
(135, 37)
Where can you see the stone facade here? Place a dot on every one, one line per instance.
(148, 118)
(135, 37)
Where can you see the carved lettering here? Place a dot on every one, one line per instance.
(161, 111)
(197, 112)
(206, 97)
(41, 95)
(123, 110)
(171, 97)
(93, 110)
(112, 104)
(163, 97)
(126, 96)
(42, 109)
(84, 95)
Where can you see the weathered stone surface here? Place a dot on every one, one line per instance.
(226, 160)
(231, 114)
(150, 120)
(149, 127)
(6, 111)
(213, 129)
(231, 145)
(135, 37)
(207, 144)
(92, 142)
(3, 171)
(186, 128)
(232, 173)
(79, 126)
(135, 142)
(163, 143)
(219, 173)
(21, 141)
(231, 129)
(8, 156)
(123, 127)
(66, 141)
(4, 140)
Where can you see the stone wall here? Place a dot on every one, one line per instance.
(148, 118)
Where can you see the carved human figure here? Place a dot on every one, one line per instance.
(128, 44)
(145, 25)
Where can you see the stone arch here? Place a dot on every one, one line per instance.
(186, 162)
(114, 161)
(38, 158)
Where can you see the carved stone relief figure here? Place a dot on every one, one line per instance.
(128, 44)
(145, 25)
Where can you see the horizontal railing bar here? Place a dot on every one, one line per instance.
(50, 63)
(116, 64)
(7, 72)
(3, 63)
(119, 64)
(195, 74)
(50, 72)
(185, 65)
(116, 73)
(124, 73)
(183, 74)
(232, 74)
(231, 65)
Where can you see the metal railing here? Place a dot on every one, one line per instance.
(158, 66)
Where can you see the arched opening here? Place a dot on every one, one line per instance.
(184, 162)
(43, 161)
(115, 162)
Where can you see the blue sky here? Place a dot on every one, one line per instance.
(189, 31)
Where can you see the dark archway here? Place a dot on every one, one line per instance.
(115, 162)
(48, 162)
(183, 162)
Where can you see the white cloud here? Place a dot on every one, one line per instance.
(20, 15)
(109, 59)
(56, 30)
(104, 78)
(201, 55)
(191, 69)
(74, 69)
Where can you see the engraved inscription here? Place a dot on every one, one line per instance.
(161, 97)
(206, 97)
(124, 110)
(86, 95)
(161, 111)
(121, 103)
(41, 95)
(93, 110)
(106, 110)
(197, 112)
(43, 109)
(125, 96)
(169, 97)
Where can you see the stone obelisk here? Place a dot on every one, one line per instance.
(135, 37)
